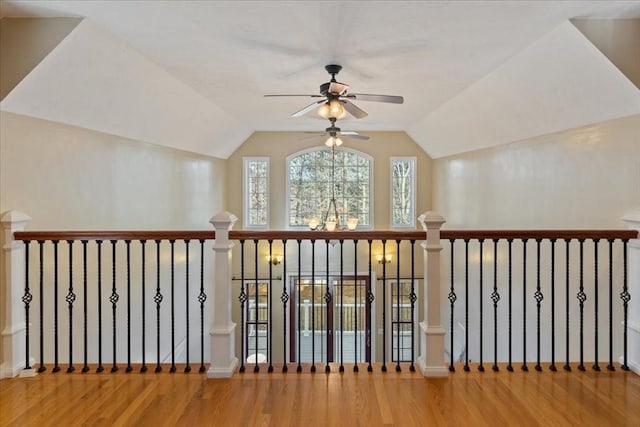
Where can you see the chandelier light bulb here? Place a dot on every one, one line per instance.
(333, 141)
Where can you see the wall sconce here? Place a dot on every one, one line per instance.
(275, 260)
(384, 259)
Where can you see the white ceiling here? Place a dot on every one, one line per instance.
(191, 74)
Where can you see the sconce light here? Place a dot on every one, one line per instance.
(275, 260)
(383, 259)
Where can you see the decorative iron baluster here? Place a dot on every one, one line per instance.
(626, 297)
(284, 298)
(256, 366)
(113, 299)
(495, 297)
(242, 298)
(143, 332)
(26, 299)
(596, 366)
(610, 366)
(398, 315)
(567, 366)
(452, 299)
(270, 341)
(370, 299)
(539, 297)
(384, 306)
(355, 272)
(157, 298)
(510, 311)
(56, 366)
(202, 297)
(70, 299)
(299, 300)
(42, 368)
(413, 299)
(481, 262)
(100, 368)
(187, 367)
(85, 367)
(466, 305)
(327, 300)
(128, 249)
(553, 306)
(313, 305)
(341, 369)
(582, 297)
(524, 366)
(173, 311)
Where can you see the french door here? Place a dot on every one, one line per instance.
(330, 319)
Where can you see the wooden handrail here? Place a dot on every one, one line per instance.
(390, 235)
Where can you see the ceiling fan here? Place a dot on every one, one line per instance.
(334, 133)
(335, 101)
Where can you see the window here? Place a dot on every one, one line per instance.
(314, 179)
(257, 322)
(403, 319)
(256, 192)
(403, 191)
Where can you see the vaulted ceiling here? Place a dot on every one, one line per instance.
(192, 74)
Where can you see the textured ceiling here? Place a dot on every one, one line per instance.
(191, 75)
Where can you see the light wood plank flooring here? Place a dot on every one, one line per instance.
(349, 399)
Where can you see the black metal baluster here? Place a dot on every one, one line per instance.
(413, 298)
(481, 262)
(143, 332)
(299, 301)
(313, 305)
(173, 311)
(341, 369)
(452, 299)
(510, 311)
(524, 366)
(113, 299)
(370, 299)
(567, 366)
(202, 297)
(187, 367)
(70, 298)
(284, 298)
(610, 366)
(256, 366)
(355, 310)
(626, 297)
(398, 318)
(26, 299)
(85, 367)
(582, 297)
(327, 300)
(42, 368)
(466, 305)
(384, 306)
(157, 298)
(596, 366)
(56, 366)
(553, 306)
(539, 297)
(100, 368)
(495, 297)
(270, 341)
(128, 249)
(242, 298)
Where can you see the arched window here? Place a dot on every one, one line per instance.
(317, 176)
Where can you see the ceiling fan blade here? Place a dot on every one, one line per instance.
(353, 109)
(393, 99)
(310, 96)
(354, 135)
(308, 108)
(337, 88)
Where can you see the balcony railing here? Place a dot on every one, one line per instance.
(150, 299)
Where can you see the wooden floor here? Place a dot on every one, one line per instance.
(349, 399)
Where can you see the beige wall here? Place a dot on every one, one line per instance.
(278, 145)
(581, 178)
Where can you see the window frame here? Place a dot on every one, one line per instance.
(246, 220)
(413, 161)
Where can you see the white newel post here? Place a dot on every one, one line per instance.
(633, 321)
(431, 360)
(223, 359)
(13, 282)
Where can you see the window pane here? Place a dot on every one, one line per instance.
(256, 191)
(402, 192)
